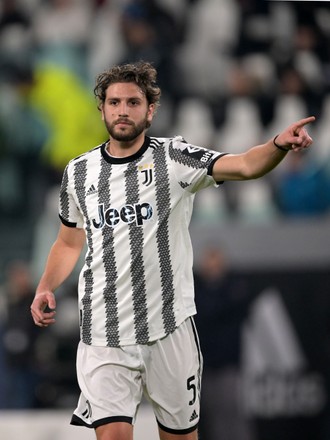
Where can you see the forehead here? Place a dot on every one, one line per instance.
(124, 90)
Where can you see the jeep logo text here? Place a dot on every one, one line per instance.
(136, 213)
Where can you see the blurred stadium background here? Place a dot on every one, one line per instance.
(233, 74)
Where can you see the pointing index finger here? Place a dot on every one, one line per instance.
(304, 122)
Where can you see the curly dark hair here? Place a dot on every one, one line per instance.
(141, 73)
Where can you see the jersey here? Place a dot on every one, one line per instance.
(136, 285)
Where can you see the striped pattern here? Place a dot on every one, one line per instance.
(163, 204)
(136, 284)
(109, 261)
(64, 197)
(136, 243)
(80, 171)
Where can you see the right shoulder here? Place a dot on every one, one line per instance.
(94, 152)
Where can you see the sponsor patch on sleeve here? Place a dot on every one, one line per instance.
(197, 153)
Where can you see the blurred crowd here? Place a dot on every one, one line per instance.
(233, 73)
(37, 368)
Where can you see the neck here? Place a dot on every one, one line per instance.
(124, 149)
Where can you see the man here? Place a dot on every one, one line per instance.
(131, 200)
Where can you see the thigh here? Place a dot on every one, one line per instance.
(110, 383)
(120, 431)
(163, 435)
(173, 381)
(114, 431)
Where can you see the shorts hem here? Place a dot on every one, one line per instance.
(177, 431)
(77, 421)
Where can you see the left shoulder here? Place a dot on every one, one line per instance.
(158, 142)
(175, 141)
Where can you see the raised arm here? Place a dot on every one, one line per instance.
(259, 160)
(62, 258)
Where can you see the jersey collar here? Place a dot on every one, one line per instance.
(120, 160)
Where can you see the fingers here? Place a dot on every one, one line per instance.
(43, 319)
(38, 306)
(302, 142)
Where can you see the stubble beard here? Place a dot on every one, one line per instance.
(131, 132)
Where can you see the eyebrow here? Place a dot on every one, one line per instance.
(139, 98)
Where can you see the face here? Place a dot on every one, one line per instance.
(126, 112)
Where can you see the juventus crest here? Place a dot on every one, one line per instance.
(147, 171)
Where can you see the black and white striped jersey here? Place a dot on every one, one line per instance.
(136, 285)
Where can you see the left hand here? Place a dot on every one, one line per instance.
(296, 137)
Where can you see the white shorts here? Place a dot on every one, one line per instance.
(168, 372)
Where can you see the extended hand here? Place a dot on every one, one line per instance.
(296, 137)
(40, 303)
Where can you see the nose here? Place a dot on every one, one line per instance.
(123, 109)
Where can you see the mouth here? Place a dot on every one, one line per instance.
(123, 122)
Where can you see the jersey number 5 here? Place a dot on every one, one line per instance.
(191, 386)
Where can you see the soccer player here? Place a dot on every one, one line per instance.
(131, 200)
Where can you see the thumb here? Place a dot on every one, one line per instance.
(52, 302)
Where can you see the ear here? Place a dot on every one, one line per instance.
(102, 112)
(151, 112)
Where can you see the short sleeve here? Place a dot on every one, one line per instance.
(193, 164)
(69, 212)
